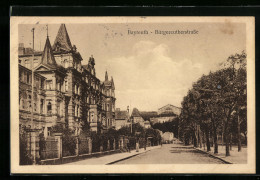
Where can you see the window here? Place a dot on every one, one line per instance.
(29, 102)
(42, 83)
(27, 63)
(75, 89)
(78, 90)
(58, 108)
(35, 107)
(36, 84)
(107, 107)
(66, 63)
(49, 84)
(28, 78)
(49, 131)
(58, 85)
(41, 106)
(78, 111)
(23, 104)
(49, 108)
(92, 117)
(66, 85)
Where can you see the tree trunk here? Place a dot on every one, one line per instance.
(226, 139)
(215, 136)
(230, 141)
(238, 134)
(245, 138)
(195, 137)
(207, 140)
(200, 137)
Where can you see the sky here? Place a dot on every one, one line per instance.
(149, 70)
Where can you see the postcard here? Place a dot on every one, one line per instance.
(132, 95)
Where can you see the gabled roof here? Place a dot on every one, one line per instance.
(136, 113)
(62, 39)
(47, 55)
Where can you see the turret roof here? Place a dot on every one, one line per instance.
(62, 39)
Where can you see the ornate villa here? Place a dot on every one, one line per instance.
(65, 91)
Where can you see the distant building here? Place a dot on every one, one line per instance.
(137, 118)
(147, 124)
(146, 115)
(161, 119)
(169, 110)
(122, 118)
(167, 137)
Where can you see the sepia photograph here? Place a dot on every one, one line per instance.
(132, 94)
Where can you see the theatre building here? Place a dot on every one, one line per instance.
(65, 91)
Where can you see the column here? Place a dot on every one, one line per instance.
(58, 137)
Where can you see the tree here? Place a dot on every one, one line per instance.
(215, 101)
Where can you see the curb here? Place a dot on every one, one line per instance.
(128, 157)
(211, 155)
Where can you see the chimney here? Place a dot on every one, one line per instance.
(21, 49)
(128, 109)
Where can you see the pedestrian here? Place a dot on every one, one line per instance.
(128, 145)
(137, 145)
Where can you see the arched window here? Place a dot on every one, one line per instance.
(49, 108)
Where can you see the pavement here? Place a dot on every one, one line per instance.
(234, 158)
(113, 158)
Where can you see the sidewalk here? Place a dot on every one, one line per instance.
(110, 159)
(234, 158)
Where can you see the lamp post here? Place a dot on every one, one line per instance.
(32, 98)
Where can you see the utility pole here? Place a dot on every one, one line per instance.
(32, 98)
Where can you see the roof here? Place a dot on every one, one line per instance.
(62, 39)
(29, 70)
(136, 113)
(121, 115)
(170, 105)
(47, 55)
(109, 82)
(148, 114)
(86, 67)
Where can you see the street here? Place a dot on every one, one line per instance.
(172, 154)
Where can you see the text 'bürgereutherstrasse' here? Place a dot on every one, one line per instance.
(163, 32)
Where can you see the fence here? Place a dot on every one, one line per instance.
(48, 148)
(84, 146)
(55, 149)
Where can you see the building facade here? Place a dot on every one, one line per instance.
(66, 92)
